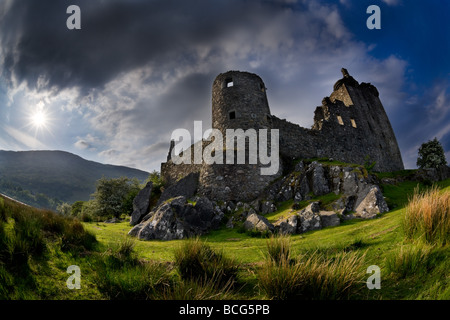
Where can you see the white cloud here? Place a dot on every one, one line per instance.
(24, 138)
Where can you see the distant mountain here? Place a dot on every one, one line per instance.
(56, 175)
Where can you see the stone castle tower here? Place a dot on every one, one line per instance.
(239, 100)
(351, 126)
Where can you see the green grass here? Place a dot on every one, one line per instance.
(117, 267)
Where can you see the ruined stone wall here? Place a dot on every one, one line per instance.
(350, 126)
(237, 182)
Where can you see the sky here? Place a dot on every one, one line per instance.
(114, 90)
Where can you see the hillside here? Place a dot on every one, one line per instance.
(116, 267)
(57, 175)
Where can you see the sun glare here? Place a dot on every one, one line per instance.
(39, 119)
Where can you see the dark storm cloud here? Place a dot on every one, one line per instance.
(116, 36)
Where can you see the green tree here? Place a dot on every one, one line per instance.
(64, 209)
(112, 196)
(431, 155)
(77, 208)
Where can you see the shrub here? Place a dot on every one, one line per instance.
(431, 155)
(196, 261)
(427, 216)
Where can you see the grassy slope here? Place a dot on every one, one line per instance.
(378, 239)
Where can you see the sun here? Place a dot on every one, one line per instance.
(39, 119)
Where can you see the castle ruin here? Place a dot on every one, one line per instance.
(350, 126)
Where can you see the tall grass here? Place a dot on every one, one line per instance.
(197, 261)
(427, 216)
(309, 276)
(204, 289)
(278, 249)
(121, 275)
(409, 260)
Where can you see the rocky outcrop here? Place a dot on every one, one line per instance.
(329, 219)
(141, 204)
(308, 219)
(185, 187)
(175, 218)
(372, 204)
(178, 219)
(258, 223)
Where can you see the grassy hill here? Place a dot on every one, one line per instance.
(60, 176)
(326, 264)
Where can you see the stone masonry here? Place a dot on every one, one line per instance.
(351, 126)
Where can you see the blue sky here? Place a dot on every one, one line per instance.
(115, 90)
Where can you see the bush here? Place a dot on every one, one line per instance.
(196, 261)
(431, 155)
(427, 216)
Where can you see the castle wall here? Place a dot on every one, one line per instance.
(350, 126)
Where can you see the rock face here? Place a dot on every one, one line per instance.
(177, 219)
(329, 219)
(141, 204)
(185, 187)
(372, 204)
(257, 222)
(309, 218)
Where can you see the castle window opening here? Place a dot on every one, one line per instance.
(261, 86)
(339, 119)
(353, 123)
(232, 115)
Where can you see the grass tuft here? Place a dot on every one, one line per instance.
(427, 216)
(197, 261)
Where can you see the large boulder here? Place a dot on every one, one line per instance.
(267, 207)
(320, 183)
(371, 204)
(185, 187)
(329, 219)
(257, 222)
(141, 204)
(177, 219)
(309, 218)
(287, 225)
